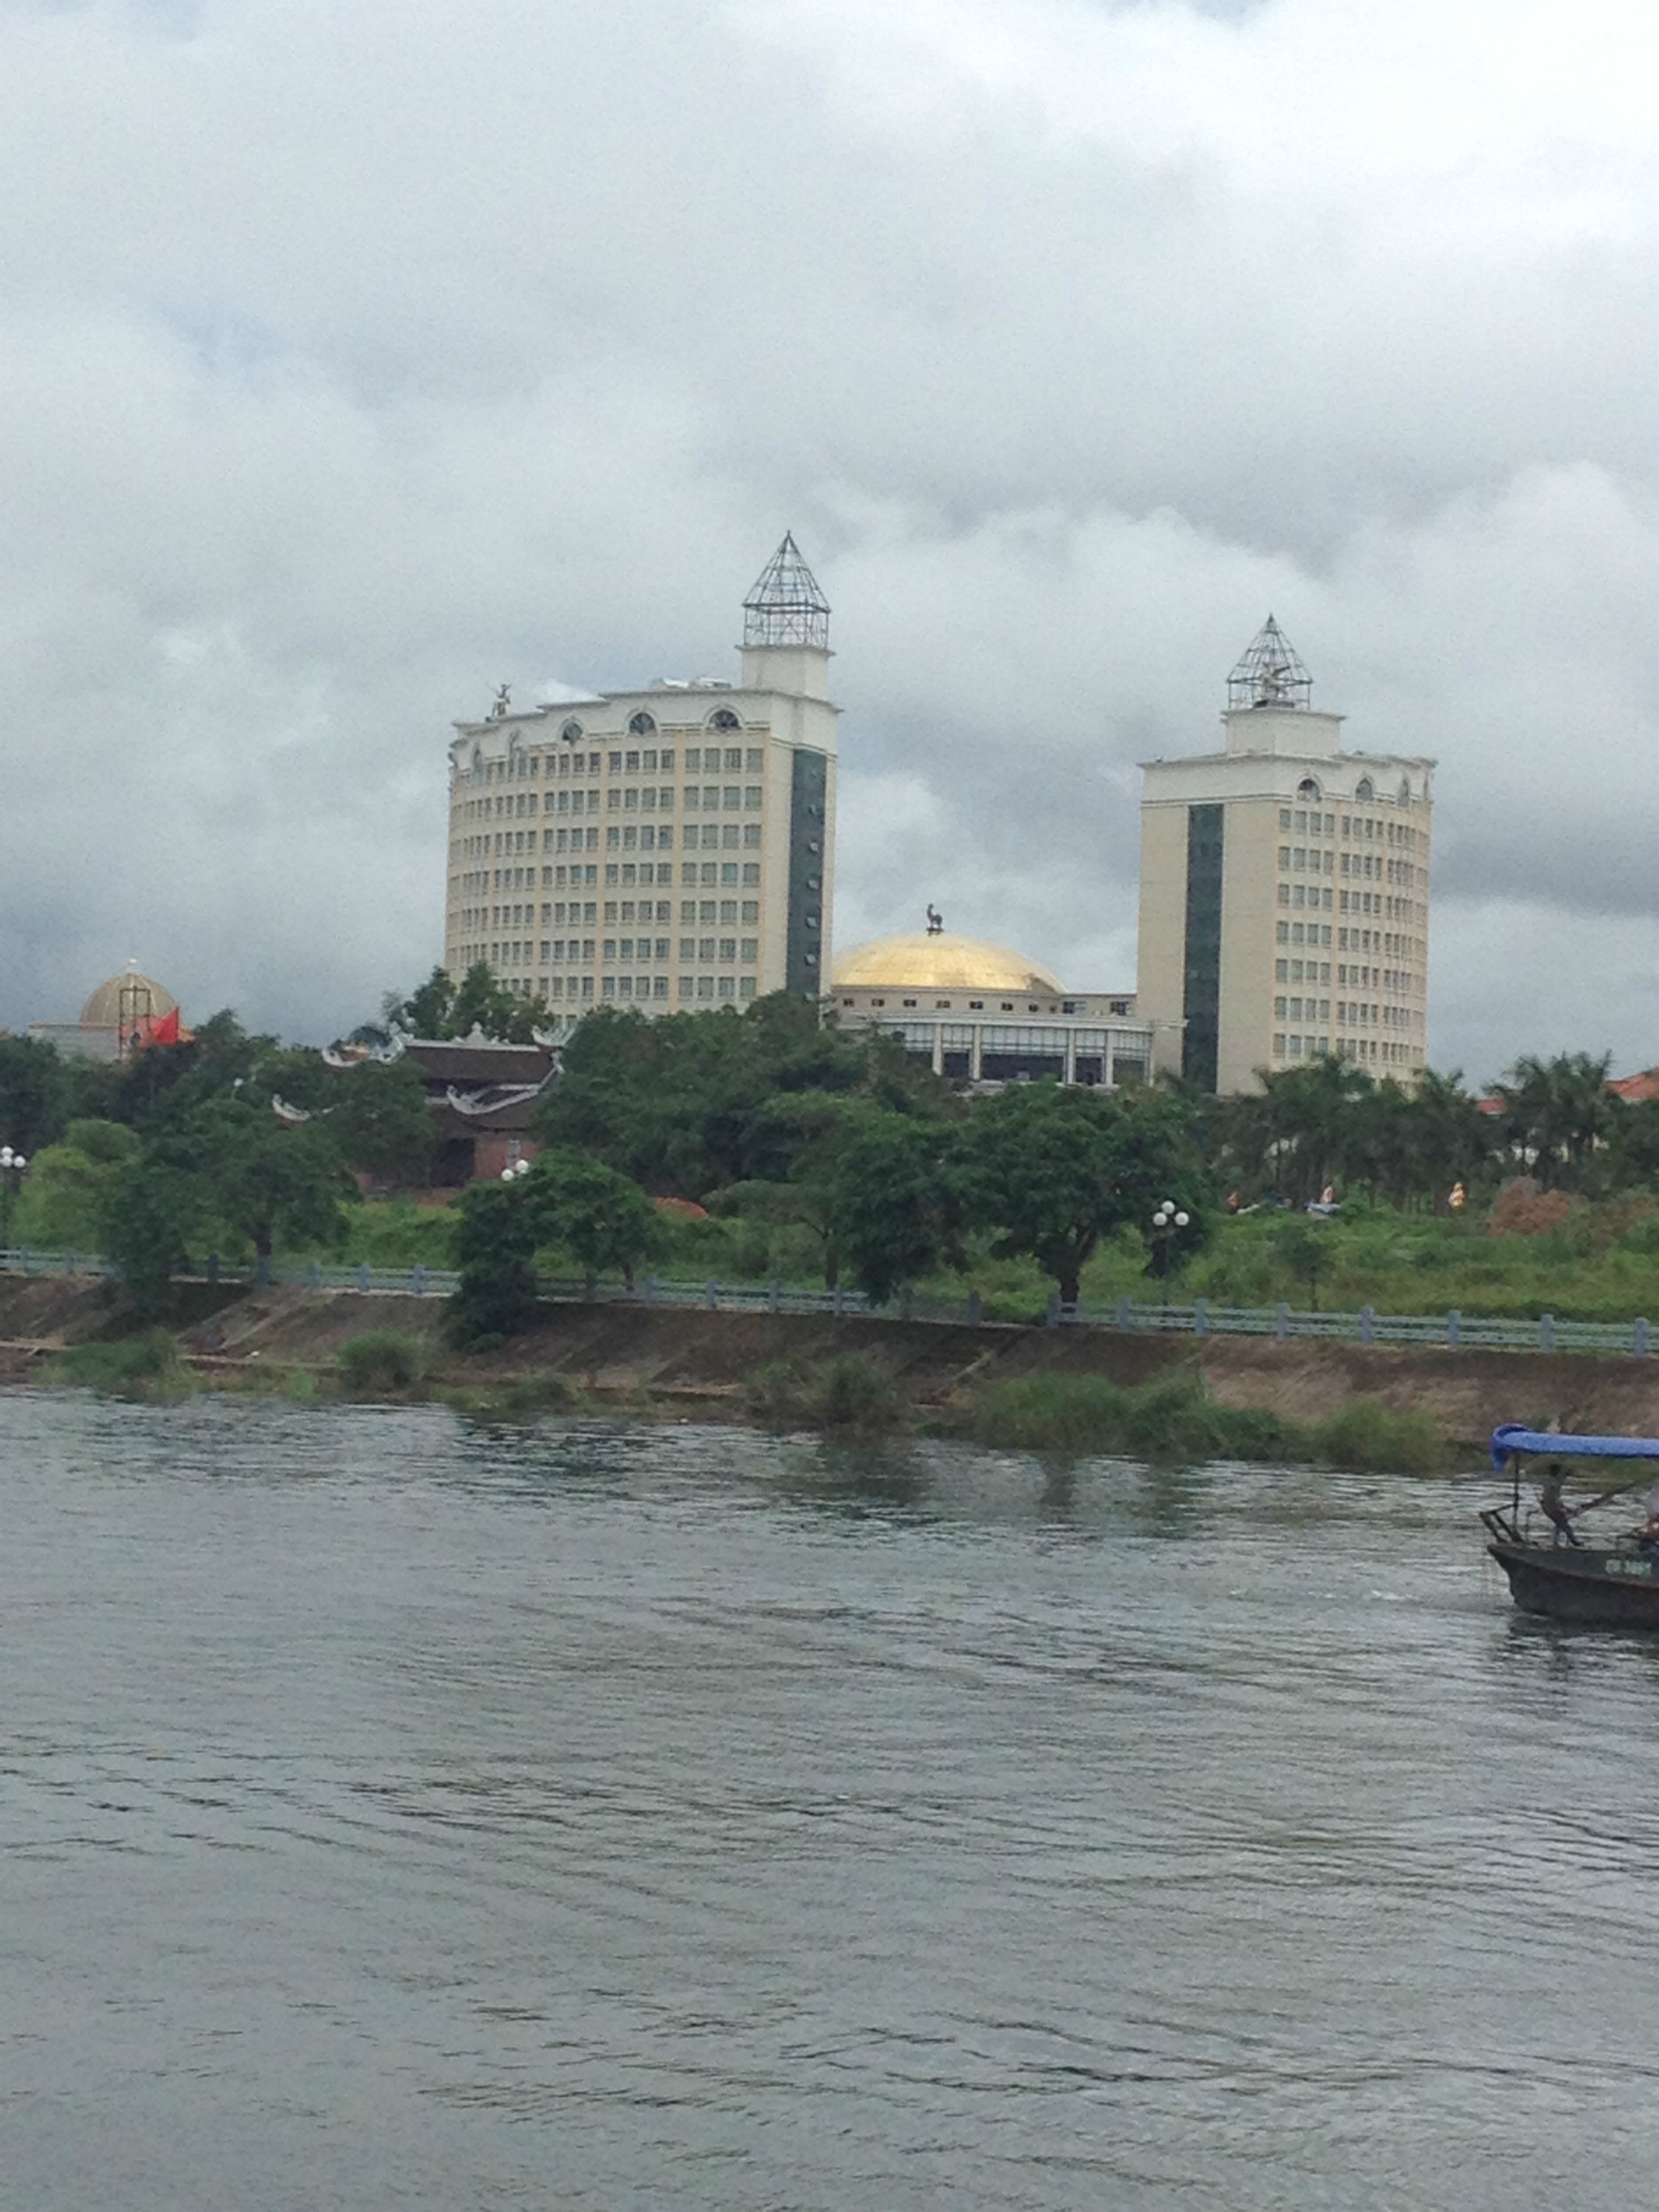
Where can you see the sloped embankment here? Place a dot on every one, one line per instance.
(690, 1358)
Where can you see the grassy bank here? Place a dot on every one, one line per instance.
(1172, 1418)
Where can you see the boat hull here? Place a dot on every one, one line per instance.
(1613, 1590)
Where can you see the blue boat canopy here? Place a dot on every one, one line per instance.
(1511, 1438)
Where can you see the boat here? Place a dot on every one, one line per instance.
(1613, 1582)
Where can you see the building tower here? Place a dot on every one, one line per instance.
(665, 848)
(1283, 891)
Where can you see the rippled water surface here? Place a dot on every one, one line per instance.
(400, 1812)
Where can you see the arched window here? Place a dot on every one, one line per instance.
(723, 718)
(641, 725)
(1308, 788)
(1366, 789)
(571, 731)
(1404, 791)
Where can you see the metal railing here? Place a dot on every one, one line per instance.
(1451, 1330)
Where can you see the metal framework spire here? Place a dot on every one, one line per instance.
(785, 607)
(1270, 674)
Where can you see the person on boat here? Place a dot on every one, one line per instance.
(1550, 1503)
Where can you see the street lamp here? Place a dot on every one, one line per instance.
(13, 1167)
(1167, 1223)
(513, 1169)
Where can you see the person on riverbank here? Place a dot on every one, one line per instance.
(1554, 1510)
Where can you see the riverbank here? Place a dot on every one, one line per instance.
(1005, 1383)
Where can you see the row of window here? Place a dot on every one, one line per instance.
(1296, 1009)
(642, 799)
(569, 990)
(1357, 828)
(503, 953)
(1307, 860)
(1386, 1050)
(558, 951)
(1302, 971)
(1387, 941)
(1301, 933)
(1385, 906)
(519, 764)
(1398, 982)
(1301, 895)
(1366, 1014)
(641, 837)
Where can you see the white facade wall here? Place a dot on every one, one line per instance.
(1324, 935)
(593, 863)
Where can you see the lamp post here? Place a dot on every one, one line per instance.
(1167, 1223)
(13, 1167)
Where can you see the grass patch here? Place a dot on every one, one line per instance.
(1176, 1419)
(380, 1361)
(850, 1393)
(1370, 1436)
(511, 1402)
(146, 1366)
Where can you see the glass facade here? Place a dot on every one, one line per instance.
(1202, 997)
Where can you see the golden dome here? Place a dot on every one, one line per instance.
(934, 961)
(129, 998)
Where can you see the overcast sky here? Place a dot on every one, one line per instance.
(355, 356)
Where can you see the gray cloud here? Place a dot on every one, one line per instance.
(353, 360)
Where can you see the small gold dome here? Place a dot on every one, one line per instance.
(129, 998)
(934, 961)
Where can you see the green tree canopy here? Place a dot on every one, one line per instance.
(690, 1103)
(893, 1198)
(1052, 1171)
(602, 1218)
(377, 1115)
(438, 1008)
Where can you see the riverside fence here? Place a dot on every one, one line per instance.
(1453, 1330)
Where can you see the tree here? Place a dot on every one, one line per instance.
(601, 1218)
(1557, 1113)
(154, 1206)
(377, 1114)
(66, 1201)
(265, 1182)
(692, 1104)
(1298, 1248)
(1052, 1171)
(31, 1094)
(495, 1256)
(894, 1199)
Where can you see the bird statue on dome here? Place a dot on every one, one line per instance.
(502, 701)
(935, 919)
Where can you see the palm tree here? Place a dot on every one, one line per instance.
(1557, 1112)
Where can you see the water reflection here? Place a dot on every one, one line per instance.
(399, 1810)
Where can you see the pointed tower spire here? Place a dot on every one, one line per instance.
(785, 607)
(1270, 673)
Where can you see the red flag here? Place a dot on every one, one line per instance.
(166, 1031)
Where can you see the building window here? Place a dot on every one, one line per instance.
(1366, 790)
(751, 873)
(641, 726)
(723, 718)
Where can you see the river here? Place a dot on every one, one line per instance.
(397, 1811)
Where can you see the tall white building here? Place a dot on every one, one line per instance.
(663, 847)
(1283, 891)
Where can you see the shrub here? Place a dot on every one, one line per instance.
(848, 1393)
(382, 1359)
(1370, 1436)
(146, 1366)
(857, 1394)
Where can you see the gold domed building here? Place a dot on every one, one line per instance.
(128, 1011)
(978, 1012)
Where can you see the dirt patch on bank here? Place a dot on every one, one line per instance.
(636, 1353)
